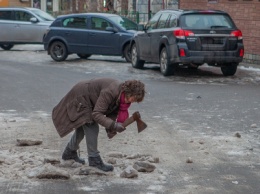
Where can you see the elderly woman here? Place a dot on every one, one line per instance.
(103, 101)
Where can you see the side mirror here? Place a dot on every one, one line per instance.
(140, 27)
(112, 29)
(33, 20)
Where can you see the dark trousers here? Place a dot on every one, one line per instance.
(90, 131)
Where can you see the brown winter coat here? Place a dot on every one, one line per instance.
(88, 101)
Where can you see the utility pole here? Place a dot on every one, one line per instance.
(162, 4)
(149, 10)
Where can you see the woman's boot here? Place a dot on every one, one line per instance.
(69, 154)
(98, 163)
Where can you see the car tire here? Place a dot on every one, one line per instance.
(127, 53)
(166, 67)
(136, 62)
(84, 56)
(6, 46)
(229, 69)
(58, 51)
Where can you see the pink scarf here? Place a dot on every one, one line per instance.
(123, 109)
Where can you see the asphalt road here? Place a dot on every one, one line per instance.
(197, 102)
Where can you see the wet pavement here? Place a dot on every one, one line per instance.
(191, 115)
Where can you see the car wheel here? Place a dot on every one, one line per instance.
(230, 69)
(6, 46)
(136, 62)
(165, 66)
(84, 56)
(58, 51)
(127, 53)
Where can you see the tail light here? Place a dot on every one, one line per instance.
(181, 34)
(182, 52)
(237, 33)
(241, 52)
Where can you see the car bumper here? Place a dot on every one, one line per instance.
(210, 57)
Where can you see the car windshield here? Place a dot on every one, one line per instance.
(206, 21)
(43, 15)
(124, 22)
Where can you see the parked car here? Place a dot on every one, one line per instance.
(190, 38)
(22, 26)
(86, 34)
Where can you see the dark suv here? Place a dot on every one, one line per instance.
(190, 38)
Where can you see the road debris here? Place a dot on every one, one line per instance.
(189, 160)
(238, 135)
(129, 172)
(28, 142)
(48, 171)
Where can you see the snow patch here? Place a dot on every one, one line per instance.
(249, 68)
(88, 189)
(155, 187)
(14, 116)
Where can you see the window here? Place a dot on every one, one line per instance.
(172, 21)
(75, 22)
(5, 15)
(209, 21)
(99, 23)
(22, 16)
(162, 21)
(37, 4)
(152, 24)
(124, 22)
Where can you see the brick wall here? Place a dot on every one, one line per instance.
(245, 13)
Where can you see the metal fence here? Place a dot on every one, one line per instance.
(140, 18)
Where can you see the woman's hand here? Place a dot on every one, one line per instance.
(118, 127)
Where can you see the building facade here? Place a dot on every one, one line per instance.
(246, 14)
(45, 5)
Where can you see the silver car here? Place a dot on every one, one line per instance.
(22, 26)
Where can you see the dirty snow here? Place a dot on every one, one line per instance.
(170, 151)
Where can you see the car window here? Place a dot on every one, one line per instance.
(172, 22)
(152, 24)
(22, 16)
(43, 15)
(207, 21)
(5, 15)
(124, 22)
(75, 22)
(162, 21)
(99, 23)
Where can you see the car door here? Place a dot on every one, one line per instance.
(7, 32)
(75, 32)
(157, 35)
(144, 39)
(101, 40)
(24, 29)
